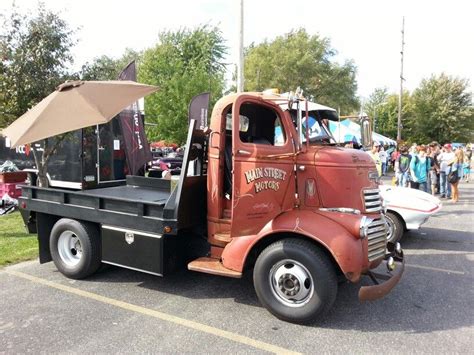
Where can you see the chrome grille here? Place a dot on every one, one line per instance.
(377, 239)
(372, 200)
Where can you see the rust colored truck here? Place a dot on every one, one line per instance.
(257, 193)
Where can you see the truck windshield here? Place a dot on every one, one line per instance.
(319, 132)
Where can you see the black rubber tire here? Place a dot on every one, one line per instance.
(318, 265)
(89, 238)
(396, 224)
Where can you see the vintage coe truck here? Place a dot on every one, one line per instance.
(256, 193)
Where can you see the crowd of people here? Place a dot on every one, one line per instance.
(431, 168)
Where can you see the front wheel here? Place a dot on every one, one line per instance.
(75, 248)
(295, 280)
(395, 227)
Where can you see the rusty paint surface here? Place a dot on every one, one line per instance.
(271, 194)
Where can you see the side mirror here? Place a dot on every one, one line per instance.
(365, 132)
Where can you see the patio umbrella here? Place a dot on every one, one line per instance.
(74, 105)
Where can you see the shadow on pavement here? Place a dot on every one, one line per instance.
(424, 301)
(438, 239)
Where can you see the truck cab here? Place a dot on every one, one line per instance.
(270, 185)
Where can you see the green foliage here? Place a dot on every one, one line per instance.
(34, 53)
(383, 109)
(298, 59)
(107, 68)
(439, 109)
(442, 110)
(183, 64)
(375, 102)
(15, 243)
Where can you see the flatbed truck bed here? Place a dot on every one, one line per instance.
(140, 204)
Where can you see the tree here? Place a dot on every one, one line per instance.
(375, 101)
(382, 107)
(298, 59)
(183, 64)
(35, 52)
(442, 110)
(107, 68)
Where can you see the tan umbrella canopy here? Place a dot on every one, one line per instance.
(74, 105)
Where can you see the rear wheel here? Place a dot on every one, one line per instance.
(295, 280)
(75, 248)
(395, 227)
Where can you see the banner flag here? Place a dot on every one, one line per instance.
(137, 149)
(198, 110)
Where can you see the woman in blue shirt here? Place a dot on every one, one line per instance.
(419, 168)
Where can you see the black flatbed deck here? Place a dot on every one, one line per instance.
(140, 204)
(131, 192)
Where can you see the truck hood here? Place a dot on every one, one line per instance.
(342, 175)
(337, 156)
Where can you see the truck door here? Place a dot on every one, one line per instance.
(263, 181)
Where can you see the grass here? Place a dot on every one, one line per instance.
(15, 243)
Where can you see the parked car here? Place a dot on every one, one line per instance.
(406, 209)
(170, 162)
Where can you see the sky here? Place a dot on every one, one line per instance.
(439, 35)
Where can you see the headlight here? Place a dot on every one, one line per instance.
(364, 226)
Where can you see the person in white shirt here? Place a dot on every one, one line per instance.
(383, 159)
(446, 156)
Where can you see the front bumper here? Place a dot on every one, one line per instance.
(384, 282)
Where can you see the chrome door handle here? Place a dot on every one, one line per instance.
(243, 152)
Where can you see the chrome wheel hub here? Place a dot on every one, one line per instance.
(291, 283)
(69, 248)
(389, 229)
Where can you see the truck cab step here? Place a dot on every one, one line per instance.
(223, 237)
(227, 213)
(212, 266)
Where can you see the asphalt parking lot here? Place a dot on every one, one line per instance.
(118, 310)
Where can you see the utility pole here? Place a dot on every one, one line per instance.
(399, 129)
(240, 62)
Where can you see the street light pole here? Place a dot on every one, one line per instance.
(240, 62)
(399, 126)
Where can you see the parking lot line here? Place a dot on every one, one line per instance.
(156, 314)
(436, 269)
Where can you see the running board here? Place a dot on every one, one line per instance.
(212, 266)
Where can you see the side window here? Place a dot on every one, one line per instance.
(261, 125)
(280, 138)
(243, 125)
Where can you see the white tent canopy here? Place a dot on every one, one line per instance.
(342, 131)
(347, 130)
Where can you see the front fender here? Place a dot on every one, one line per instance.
(346, 248)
